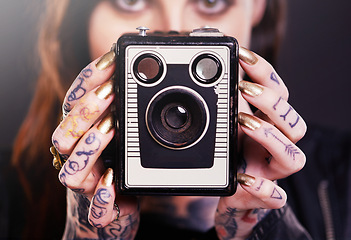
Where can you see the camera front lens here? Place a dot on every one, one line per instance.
(148, 68)
(176, 116)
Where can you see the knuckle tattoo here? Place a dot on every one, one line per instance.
(79, 90)
(91, 147)
(69, 182)
(63, 146)
(71, 124)
(80, 159)
(287, 113)
(98, 208)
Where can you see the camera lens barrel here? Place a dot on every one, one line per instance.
(177, 117)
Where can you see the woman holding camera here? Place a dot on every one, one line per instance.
(75, 43)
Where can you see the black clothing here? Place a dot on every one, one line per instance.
(320, 194)
(279, 224)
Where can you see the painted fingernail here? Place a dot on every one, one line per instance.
(107, 178)
(249, 121)
(106, 60)
(106, 124)
(105, 90)
(247, 56)
(249, 88)
(245, 179)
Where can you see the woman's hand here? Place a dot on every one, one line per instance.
(85, 131)
(268, 149)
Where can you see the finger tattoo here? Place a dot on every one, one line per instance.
(93, 144)
(290, 149)
(72, 121)
(99, 202)
(78, 92)
(274, 78)
(276, 194)
(290, 110)
(259, 187)
(226, 223)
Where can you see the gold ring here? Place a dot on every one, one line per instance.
(58, 161)
(118, 211)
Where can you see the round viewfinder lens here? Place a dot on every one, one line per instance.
(207, 68)
(148, 68)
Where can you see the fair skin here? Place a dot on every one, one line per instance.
(234, 18)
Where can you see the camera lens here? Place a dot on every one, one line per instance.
(206, 68)
(148, 68)
(177, 117)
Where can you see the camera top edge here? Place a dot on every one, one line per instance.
(206, 35)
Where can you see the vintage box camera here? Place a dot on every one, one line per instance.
(177, 113)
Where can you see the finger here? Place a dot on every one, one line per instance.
(286, 159)
(93, 75)
(265, 193)
(262, 72)
(82, 117)
(76, 173)
(101, 211)
(276, 108)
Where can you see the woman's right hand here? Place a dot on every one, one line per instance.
(82, 135)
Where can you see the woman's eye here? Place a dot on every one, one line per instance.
(212, 7)
(131, 6)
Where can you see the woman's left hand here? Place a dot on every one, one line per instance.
(267, 142)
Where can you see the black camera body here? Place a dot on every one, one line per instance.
(176, 97)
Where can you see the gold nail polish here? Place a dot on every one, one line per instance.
(251, 89)
(107, 178)
(245, 179)
(247, 56)
(105, 90)
(248, 121)
(106, 60)
(106, 124)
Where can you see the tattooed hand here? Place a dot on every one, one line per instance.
(268, 148)
(82, 135)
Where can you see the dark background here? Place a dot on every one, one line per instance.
(314, 62)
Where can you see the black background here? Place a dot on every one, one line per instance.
(314, 62)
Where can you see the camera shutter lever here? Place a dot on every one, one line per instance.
(142, 30)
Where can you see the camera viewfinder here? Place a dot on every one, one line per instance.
(206, 68)
(148, 68)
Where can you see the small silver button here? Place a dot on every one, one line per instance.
(142, 30)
